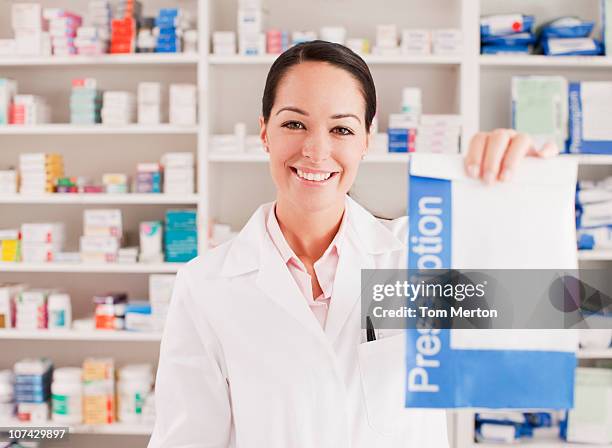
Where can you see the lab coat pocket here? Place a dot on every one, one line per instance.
(382, 367)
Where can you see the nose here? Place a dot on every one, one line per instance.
(317, 146)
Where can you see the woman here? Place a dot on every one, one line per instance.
(263, 346)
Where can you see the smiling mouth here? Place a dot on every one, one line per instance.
(318, 177)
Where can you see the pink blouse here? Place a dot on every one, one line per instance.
(324, 267)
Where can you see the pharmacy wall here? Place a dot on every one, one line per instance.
(113, 127)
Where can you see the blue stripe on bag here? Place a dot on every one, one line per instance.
(430, 223)
(428, 351)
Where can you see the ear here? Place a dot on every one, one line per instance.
(263, 133)
(367, 143)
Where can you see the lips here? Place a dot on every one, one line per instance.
(313, 176)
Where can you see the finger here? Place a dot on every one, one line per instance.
(497, 145)
(473, 158)
(548, 150)
(519, 147)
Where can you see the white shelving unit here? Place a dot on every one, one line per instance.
(92, 151)
(109, 59)
(74, 335)
(122, 429)
(93, 198)
(582, 62)
(102, 268)
(99, 129)
(229, 91)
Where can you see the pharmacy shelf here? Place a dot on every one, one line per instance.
(115, 428)
(237, 157)
(541, 444)
(257, 157)
(603, 353)
(105, 59)
(545, 61)
(595, 255)
(71, 129)
(98, 198)
(370, 59)
(102, 268)
(76, 335)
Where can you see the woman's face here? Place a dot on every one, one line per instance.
(315, 135)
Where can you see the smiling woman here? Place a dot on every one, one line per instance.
(263, 345)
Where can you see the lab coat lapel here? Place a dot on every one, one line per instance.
(365, 239)
(275, 281)
(347, 285)
(253, 250)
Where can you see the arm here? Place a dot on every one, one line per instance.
(191, 393)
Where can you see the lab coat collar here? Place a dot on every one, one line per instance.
(374, 237)
(245, 252)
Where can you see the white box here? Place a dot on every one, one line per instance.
(250, 21)
(29, 43)
(34, 412)
(403, 121)
(441, 120)
(160, 288)
(7, 47)
(224, 37)
(184, 116)
(149, 114)
(386, 36)
(449, 36)
(591, 419)
(43, 232)
(38, 252)
(177, 160)
(102, 244)
(178, 175)
(149, 93)
(182, 95)
(26, 16)
(100, 218)
(150, 238)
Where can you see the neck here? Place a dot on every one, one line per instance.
(308, 234)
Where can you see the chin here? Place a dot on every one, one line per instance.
(314, 202)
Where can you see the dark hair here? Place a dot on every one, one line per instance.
(334, 54)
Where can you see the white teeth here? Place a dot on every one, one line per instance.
(317, 177)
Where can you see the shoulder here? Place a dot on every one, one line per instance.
(209, 264)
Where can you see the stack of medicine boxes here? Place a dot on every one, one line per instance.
(33, 389)
(123, 28)
(85, 102)
(168, 32)
(98, 391)
(103, 231)
(251, 39)
(31, 309)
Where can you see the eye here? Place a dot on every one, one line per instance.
(342, 130)
(293, 125)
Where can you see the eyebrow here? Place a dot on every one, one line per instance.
(302, 112)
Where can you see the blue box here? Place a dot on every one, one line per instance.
(180, 245)
(398, 140)
(185, 219)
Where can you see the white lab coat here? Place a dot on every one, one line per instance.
(244, 362)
